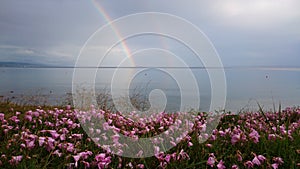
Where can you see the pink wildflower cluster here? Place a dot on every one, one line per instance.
(56, 135)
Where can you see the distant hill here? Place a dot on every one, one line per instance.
(28, 65)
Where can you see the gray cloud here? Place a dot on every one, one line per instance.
(30, 55)
(54, 29)
(259, 32)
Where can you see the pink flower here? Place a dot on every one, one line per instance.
(115, 138)
(275, 165)
(54, 134)
(208, 145)
(156, 150)
(70, 147)
(86, 164)
(105, 126)
(272, 137)
(141, 166)
(64, 130)
(100, 157)
(239, 157)
(213, 137)
(222, 133)
(168, 158)
(68, 107)
(160, 157)
(102, 160)
(23, 145)
(182, 155)
(256, 161)
(282, 129)
(30, 144)
(77, 136)
(211, 160)
(14, 119)
(41, 140)
(120, 163)
(261, 158)
(76, 159)
(10, 127)
(50, 143)
(91, 130)
(278, 160)
(248, 164)
(1, 116)
(47, 123)
(28, 118)
(234, 166)
(15, 160)
(85, 154)
(56, 152)
(174, 156)
(254, 136)
(62, 137)
(202, 127)
(221, 165)
(235, 138)
(130, 165)
(36, 114)
(140, 153)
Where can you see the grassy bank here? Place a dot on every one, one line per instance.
(48, 137)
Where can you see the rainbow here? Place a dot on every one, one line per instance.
(108, 19)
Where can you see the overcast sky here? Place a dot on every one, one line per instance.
(244, 33)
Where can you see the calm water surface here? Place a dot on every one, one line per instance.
(245, 87)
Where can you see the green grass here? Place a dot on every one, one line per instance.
(285, 146)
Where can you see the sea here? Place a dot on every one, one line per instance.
(246, 87)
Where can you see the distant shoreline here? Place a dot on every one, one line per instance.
(38, 65)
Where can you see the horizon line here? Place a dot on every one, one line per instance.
(160, 67)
